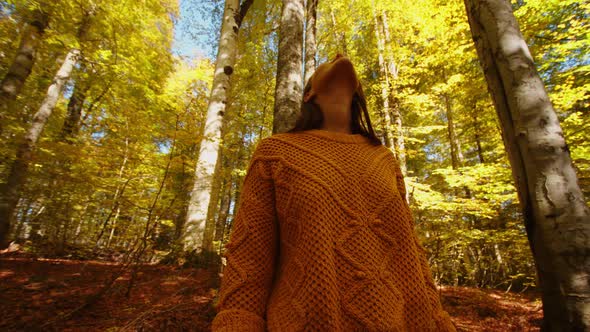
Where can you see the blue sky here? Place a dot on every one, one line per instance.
(188, 42)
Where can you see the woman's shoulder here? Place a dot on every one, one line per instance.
(274, 145)
(279, 141)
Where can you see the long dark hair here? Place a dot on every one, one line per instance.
(311, 116)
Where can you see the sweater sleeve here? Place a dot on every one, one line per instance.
(250, 253)
(441, 317)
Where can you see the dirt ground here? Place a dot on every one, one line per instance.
(48, 295)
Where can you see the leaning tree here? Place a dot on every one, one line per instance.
(556, 217)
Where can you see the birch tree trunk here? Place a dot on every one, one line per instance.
(224, 66)
(10, 191)
(23, 62)
(289, 90)
(396, 116)
(386, 111)
(310, 38)
(209, 233)
(557, 220)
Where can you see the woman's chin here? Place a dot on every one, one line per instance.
(340, 73)
(343, 62)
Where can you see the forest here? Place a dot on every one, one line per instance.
(127, 128)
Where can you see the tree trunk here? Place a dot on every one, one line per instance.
(557, 219)
(119, 191)
(23, 62)
(456, 155)
(310, 38)
(209, 233)
(386, 111)
(224, 66)
(240, 162)
(393, 71)
(224, 205)
(10, 191)
(288, 91)
(112, 233)
(477, 128)
(72, 122)
(340, 37)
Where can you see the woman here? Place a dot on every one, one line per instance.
(323, 239)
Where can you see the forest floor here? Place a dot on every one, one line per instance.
(48, 295)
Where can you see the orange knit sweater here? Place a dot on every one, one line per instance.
(324, 240)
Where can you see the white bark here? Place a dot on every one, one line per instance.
(386, 110)
(200, 195)
(23, 62)
(393, 73)
(10, 191)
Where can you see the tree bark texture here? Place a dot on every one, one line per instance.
(71, 125)
(10, 191)
(310, 38)
(385, 111)
(557, 220)
(23, 62)
(456, 155)
(204, 171)
(289, 90)
(396, 116)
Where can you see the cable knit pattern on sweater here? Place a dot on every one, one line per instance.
(324, 240)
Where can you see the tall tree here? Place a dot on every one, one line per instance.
(557, 219)
(385, 111)
(198, 217)
(10, 191)
(310, 38)
(23, 62)
(456, 155)
(396, 116)
(71, 124)
(289, 90)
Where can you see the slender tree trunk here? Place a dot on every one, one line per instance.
(456, 155)
(478, 136)
(119, 191)
(213, 207)
(23, 62)
(396, 116)
(224, 205)
(239, 163)
(340, 37)
(557, 219)
(310, 38)
(112, 233)
(198, 208)
(386, 111)
(288, 91)
(392, 67)
(71, 124)
(10, 191)
(79, 225)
